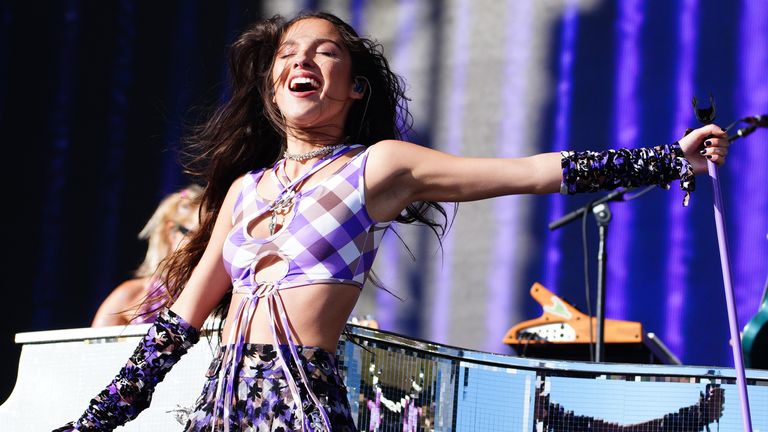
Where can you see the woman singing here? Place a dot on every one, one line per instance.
(304, 173)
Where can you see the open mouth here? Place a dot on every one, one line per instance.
(303, 84)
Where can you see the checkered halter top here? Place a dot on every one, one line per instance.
(326, 237)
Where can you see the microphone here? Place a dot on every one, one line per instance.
(753, 122)
(616, 195)
(758, 120)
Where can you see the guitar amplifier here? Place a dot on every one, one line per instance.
(563, 332)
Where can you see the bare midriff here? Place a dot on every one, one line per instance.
(316, 314)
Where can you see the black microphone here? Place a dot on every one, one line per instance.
(753, 122)
(616, 195)
(758, 120)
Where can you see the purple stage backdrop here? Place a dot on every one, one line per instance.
(95, 98)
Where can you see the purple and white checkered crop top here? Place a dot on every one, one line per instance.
(327, 237)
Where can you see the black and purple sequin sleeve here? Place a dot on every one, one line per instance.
(169, 338)
(591, 171)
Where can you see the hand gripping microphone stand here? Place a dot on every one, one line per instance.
(707, 116)
(603, 216)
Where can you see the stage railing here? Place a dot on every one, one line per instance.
(396, 383)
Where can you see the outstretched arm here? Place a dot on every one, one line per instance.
(130, 392)
(399, 173)
(169, 338)
(209, 280)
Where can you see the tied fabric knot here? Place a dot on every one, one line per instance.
(592, 171)
(312, 415)
(265, 289)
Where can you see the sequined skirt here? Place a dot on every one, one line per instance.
(262, 400)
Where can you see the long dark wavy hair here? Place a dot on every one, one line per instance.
(247, 132)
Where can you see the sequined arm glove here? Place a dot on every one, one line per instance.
(591, 171)
(169, 338)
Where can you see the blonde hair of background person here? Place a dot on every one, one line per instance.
(166, 230)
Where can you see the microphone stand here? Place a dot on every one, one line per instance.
(725, 264)
(602, 214)
(730, 303)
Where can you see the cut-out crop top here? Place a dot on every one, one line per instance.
(327, 237)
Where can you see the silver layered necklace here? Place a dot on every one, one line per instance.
(322, 151)
(282, 205)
